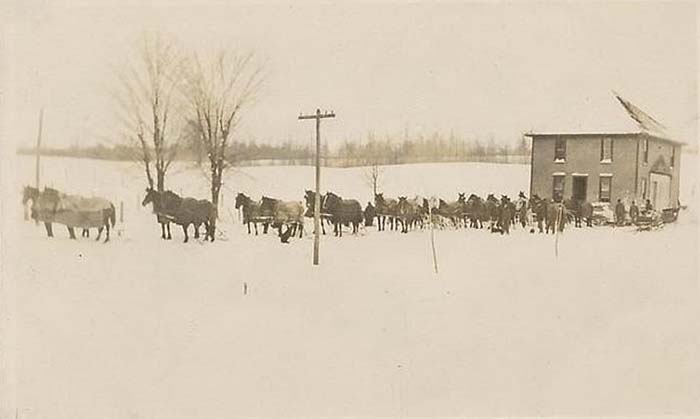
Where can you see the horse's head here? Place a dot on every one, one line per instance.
(310, 199)
(462, 197)
(151, 197)
(241, 200)
(379, 198)
(331, 202)
(29, 192)
(267, 203)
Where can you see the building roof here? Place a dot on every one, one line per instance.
(616, 117)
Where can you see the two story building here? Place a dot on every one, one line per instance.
(606, 166)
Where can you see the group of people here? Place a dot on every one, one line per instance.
(634, 212)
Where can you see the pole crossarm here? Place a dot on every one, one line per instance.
(318, 115)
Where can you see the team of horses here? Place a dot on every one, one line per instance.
(402, 213)
(53, 206)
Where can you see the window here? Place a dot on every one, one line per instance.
(606, 150)
(645, 147)
(644, 188)
(560, 150)
(557, 188)
(605, 186)
(673, 156)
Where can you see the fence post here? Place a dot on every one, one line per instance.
(121, 211)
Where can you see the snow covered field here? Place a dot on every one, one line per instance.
(143, 328)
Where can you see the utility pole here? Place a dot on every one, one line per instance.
(38, 147)
(317, 202)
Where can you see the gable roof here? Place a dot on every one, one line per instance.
(605, 117)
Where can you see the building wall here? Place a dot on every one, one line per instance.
(583, 157)
(660, 151)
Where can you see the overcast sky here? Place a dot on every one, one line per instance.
(477, 69)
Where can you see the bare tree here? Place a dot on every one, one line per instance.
(373, 176)
(150, 106)
(218, 91)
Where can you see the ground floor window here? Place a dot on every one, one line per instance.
(557, 188)
(644, 188)
(605, 188)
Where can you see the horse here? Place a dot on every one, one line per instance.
(289, 213)
(454, 211)
(72, 211)
(251, 212)
(343, 212)
(183, 211)
(310, 200)
(386, 208)
(538, 208)
(410, 212)
(436, 218)
(493, 210)
(475, 210)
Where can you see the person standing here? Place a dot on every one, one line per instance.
(620, 213)
(634, 212)
(587, 213)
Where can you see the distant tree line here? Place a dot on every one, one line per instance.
(434, 148)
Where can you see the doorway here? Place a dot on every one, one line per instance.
(579, 189)
(660, 190)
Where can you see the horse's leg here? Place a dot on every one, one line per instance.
(301, 229)
(49, 230)
(170, 236)
(256, 228)
(71, 233)
(184, 230)
(99, 232)
(107, 233)
(196, 230)
(255, 224)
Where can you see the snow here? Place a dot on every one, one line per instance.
(145, 328)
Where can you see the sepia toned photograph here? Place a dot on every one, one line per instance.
(366, 209)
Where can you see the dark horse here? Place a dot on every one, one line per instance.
(73, 211)
(252, 212)
(386, 208)
(310, 200)
(343, 212)
(183, 211)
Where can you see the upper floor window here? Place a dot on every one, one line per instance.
(560, 150)
(606, 150)
(645, 150)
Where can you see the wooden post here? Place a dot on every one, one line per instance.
(559, 220)
(121, 211)
(317, 202)
(432, 234)
(38, 148)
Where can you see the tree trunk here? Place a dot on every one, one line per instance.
(161, 180)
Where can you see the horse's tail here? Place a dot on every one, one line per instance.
(112, 215)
